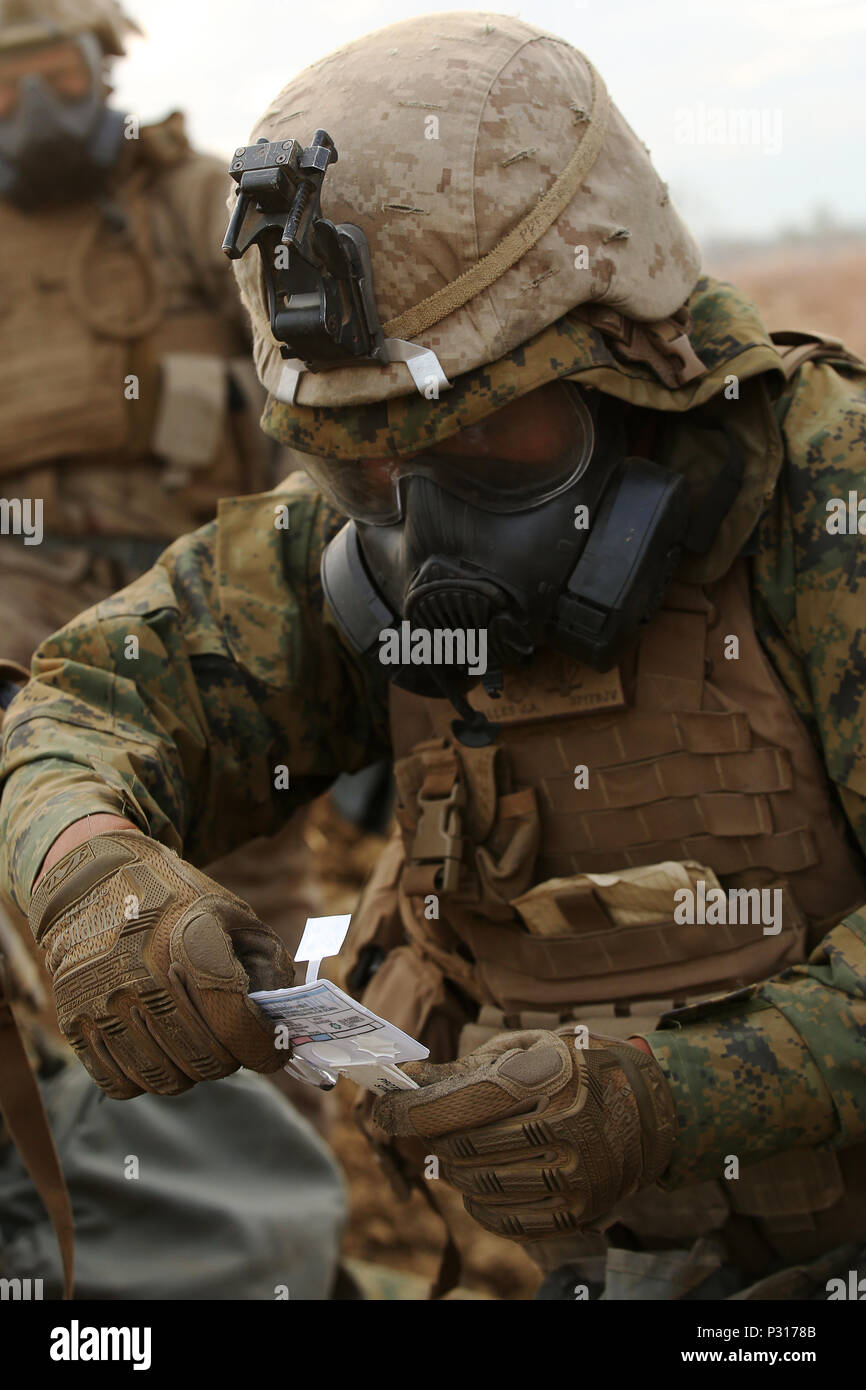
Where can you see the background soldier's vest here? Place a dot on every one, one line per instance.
(692, 756)
(92, 296)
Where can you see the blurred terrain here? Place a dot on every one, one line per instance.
(815, 282)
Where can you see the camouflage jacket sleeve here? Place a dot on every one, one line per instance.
(206, 701)
(783, 1065)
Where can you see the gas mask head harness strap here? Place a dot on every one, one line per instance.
(54, 149)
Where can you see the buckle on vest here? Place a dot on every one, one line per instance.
(439, 836)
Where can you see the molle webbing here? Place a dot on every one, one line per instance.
(707, 763)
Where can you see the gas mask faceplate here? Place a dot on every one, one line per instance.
(457, 579)
(53, 150)
(372, 491)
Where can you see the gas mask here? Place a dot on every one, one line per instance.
(457, 568)
(54, 150)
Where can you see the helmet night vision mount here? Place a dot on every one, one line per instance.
(318, 275)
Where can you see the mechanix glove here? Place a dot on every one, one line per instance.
(542, 1137)
(151, 963)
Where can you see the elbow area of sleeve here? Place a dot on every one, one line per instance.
(744, 1083)
(782, 1069)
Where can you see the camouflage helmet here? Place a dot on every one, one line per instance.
(461, 134)
(27, 22)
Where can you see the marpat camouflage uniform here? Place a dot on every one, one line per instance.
(240, 670)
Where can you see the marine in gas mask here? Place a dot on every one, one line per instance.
(473, 339)
(59, 137)
(531, 526)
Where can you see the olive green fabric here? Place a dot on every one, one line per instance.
(224, 1192)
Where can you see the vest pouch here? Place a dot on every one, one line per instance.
(190, 416)
(684, 1214)
(412, 993)
(786, 1190)
(448, 796)
(63, 397)
(600, 959)
(505, 865)
(804, 1201)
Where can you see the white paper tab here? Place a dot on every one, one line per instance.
(323, 936)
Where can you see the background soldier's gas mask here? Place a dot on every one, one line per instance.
(55, 148)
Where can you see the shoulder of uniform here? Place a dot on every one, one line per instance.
(823, 415)
(292, 522)
(797, 346)
(823, 420)
(268, 550)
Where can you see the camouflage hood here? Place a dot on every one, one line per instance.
(729, 406)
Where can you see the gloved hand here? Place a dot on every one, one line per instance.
(151, 963)
(542, 1137)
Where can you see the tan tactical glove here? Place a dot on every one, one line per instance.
(151, 963)
(542, 1137)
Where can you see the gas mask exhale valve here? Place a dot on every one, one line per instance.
(580, 571)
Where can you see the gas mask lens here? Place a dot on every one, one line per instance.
(57, 71)
(509, 462)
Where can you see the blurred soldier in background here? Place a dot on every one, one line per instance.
(129, 407)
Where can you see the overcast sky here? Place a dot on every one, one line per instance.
(676, 68)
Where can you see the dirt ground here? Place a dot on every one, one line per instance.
(797, 288)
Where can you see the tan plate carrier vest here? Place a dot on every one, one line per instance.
(115, 347)
(691, 756)
(702, 759)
